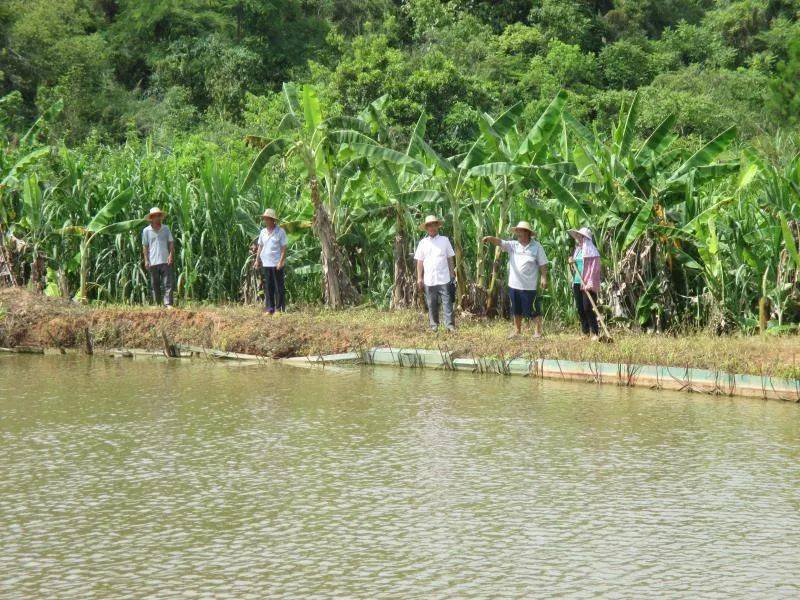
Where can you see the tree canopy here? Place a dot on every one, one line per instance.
(143, 66)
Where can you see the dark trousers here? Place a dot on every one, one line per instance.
(162, 283)
(436, 296)
(274, 289)
(585, 310)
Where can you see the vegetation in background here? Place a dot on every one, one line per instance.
(617, 115)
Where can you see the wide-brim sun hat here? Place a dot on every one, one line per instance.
(524, 225)
(583, 232)
(155, 211)
(431, 219)
(270, 214)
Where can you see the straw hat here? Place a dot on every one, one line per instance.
(522, 225)
(270, 214)
(155, 211)
(582, 232)
(431, 219)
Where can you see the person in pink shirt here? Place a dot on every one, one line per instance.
(586, 281)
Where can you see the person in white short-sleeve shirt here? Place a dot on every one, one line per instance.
(527, 269)
(158, 248)
(436, 272)
(271, 259)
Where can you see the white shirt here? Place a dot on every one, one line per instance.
(271, 242)
(157, 243)
(524, 263)
(434, 252)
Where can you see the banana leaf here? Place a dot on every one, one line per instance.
(705, 155)
(639, 225)
(545, 127)
(105, 215)
(277, 146)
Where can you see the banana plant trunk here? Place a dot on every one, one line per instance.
(338, 287)
(84, 270)
(404, 291)
(491, 292)
(458, 247)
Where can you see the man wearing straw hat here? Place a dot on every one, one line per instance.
(272, 258)
(435, 272)
(527, 269)
(158, 248)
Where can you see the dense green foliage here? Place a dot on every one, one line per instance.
(161, 66)
(402, 108)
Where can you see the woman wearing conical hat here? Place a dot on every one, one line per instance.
(586, 282)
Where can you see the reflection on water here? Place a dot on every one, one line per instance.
(136, 478)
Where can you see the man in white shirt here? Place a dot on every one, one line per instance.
(435, 272)
(527, 268)
(158, 248)
(271, 258)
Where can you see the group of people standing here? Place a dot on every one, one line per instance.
(435, 264)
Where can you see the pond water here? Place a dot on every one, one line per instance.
(147, 478)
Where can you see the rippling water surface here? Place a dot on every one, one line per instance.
(127, 478)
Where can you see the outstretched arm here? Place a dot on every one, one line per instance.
(494, 241)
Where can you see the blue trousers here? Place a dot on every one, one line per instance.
(436, 296)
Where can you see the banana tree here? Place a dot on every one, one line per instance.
(775, 208)
(13, 165)
(511, 157)
(101, 223)
(447, 180)
(304, 135)
(403, 178)
(32, 226)
(634, 196)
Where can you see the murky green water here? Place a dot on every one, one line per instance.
(123, 478)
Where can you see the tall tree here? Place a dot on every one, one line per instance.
(305, 137)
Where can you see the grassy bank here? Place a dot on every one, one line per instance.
(32, 320)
